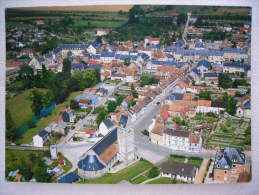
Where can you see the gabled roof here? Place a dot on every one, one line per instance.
(211, 74)
(96, 44)
(110, 138)
(43, 133)
(108, 123)
(177, 133)
(182, 169)
(123, 121)
(175, 96)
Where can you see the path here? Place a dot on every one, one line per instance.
(144, 182)
(202, 171)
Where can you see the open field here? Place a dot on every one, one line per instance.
(20, 107)
(27, 136)
(98, 8)
(125, 174)
(99, 24)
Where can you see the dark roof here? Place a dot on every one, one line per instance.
(182, 169)
(211, 74)
(73, 46)
(177, 133)
(175, 96)
(235, 64)
(90, 163)
(108, 123)
(218, 104)
(96, 44)
(123, 121)
(43, 133)
(79, 65)
(110, 138)
(226, 157)
(204, 63)
(65, 117)
(69, 178)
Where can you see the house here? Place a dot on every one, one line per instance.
(151, 41)
(41, 138)
(123, 121)
(179, 171)
(231, 67)
(58, 125)
(93, 48)
(101, 31)
(203, 66)
(211, 77)
(40, 22)
(229, 164)
(195, 143)
(88, 98)
(126, 101)
(244, 109)
(69, 178)
(102, 92)
(176, 139)
(105, 126)
(68, 117)
(157, 132)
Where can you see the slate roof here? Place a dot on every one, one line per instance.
(226, 157)
(177, 133)
(182, 169)
(218, 104)
(69, 178)
(96, 44)
(123, 121)
(175, 96)
(235, 64)
(73, 46)
(110, 138)
(204, 63)
(211, 74)
(108, 54)
(43, 133)
(108, 123)
(90, 163)
(79, 66)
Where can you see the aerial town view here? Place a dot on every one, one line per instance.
(128, 94)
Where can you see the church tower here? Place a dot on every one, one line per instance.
(126, 144)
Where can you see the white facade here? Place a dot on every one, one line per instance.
(103, 129)
(37, 141)
(175, 142)
(91, 49)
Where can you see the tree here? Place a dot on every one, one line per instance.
(205, 95)
(74, 105)
(145, 132)
(10, 130)
(134, 93)
(26, 76)
(102, 115)
(147, 80)
(154, 171)
(37, 103)
(126, 62)
(224, 80)
(66, 67)
(111, 106)
(230, 104)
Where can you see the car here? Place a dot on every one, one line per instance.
(157, 103)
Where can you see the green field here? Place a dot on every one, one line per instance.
(20, 107)
(165, 180)
(27, 136)
(125, 174)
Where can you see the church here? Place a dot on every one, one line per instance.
(116, 146)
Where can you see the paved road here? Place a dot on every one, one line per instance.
(26, 148)
(202, 171)
(186, 27)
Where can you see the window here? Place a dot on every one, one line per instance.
(234, 165)
(225, 172)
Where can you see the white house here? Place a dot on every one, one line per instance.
(105, 127)
(176, 139)
(41, 138)
(180, 171)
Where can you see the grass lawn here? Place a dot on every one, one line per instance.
(195, 161)
(140, 179)
(27, 136)
(161, 180)
(176, 158)
(20, 107)
(125, 174)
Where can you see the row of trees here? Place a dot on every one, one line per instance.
(60, 84)
(225, 81)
